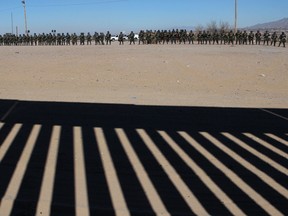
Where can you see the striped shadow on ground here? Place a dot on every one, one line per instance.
(89, 159)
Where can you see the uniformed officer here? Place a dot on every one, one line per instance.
(141, 37)
(238, 36)
(96, 38)
(282, 39)
(68, 39)
(266, 38)
(59, 39)
(245, 38)
(209, 37)
(89, 39)
(191, 37)
(101, 38)
(63, 38)
(222, 37)
(199, 37)
(132, 37)
(258, 37)
(82, 39)
(121, 39)
(108, 38)
(231, 37)
(158, 37)
(274, 38)
(251, 38)
(74, 39)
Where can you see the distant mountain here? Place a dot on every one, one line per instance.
(279, 24)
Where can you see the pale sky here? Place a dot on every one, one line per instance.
(126, 15)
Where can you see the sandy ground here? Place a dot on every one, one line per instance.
(156, 141)
(184, 75)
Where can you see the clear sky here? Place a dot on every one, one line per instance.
(126, 15)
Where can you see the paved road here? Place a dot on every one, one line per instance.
(92, 159)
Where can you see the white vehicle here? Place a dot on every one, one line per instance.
(136, 36)
(116, 37)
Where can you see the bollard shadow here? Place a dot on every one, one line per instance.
(140, 116)
(151, 119)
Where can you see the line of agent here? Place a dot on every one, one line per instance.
(54, 40)
(207, 37)
(149, 37)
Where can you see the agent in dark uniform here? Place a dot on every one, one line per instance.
(282, 39)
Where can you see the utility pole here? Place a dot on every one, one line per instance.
(236, 16)
(12, 24)
(25, 17)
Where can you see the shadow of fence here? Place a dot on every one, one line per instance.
(87, 159)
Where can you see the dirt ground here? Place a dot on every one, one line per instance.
(184, 75)
(73, 159)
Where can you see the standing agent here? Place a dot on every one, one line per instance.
(132, 37)
(121, 39)
(282, 39)
(274, 39)
(258, 38)
(108, 38)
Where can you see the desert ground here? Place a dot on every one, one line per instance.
(143, 130)
(184, 75)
